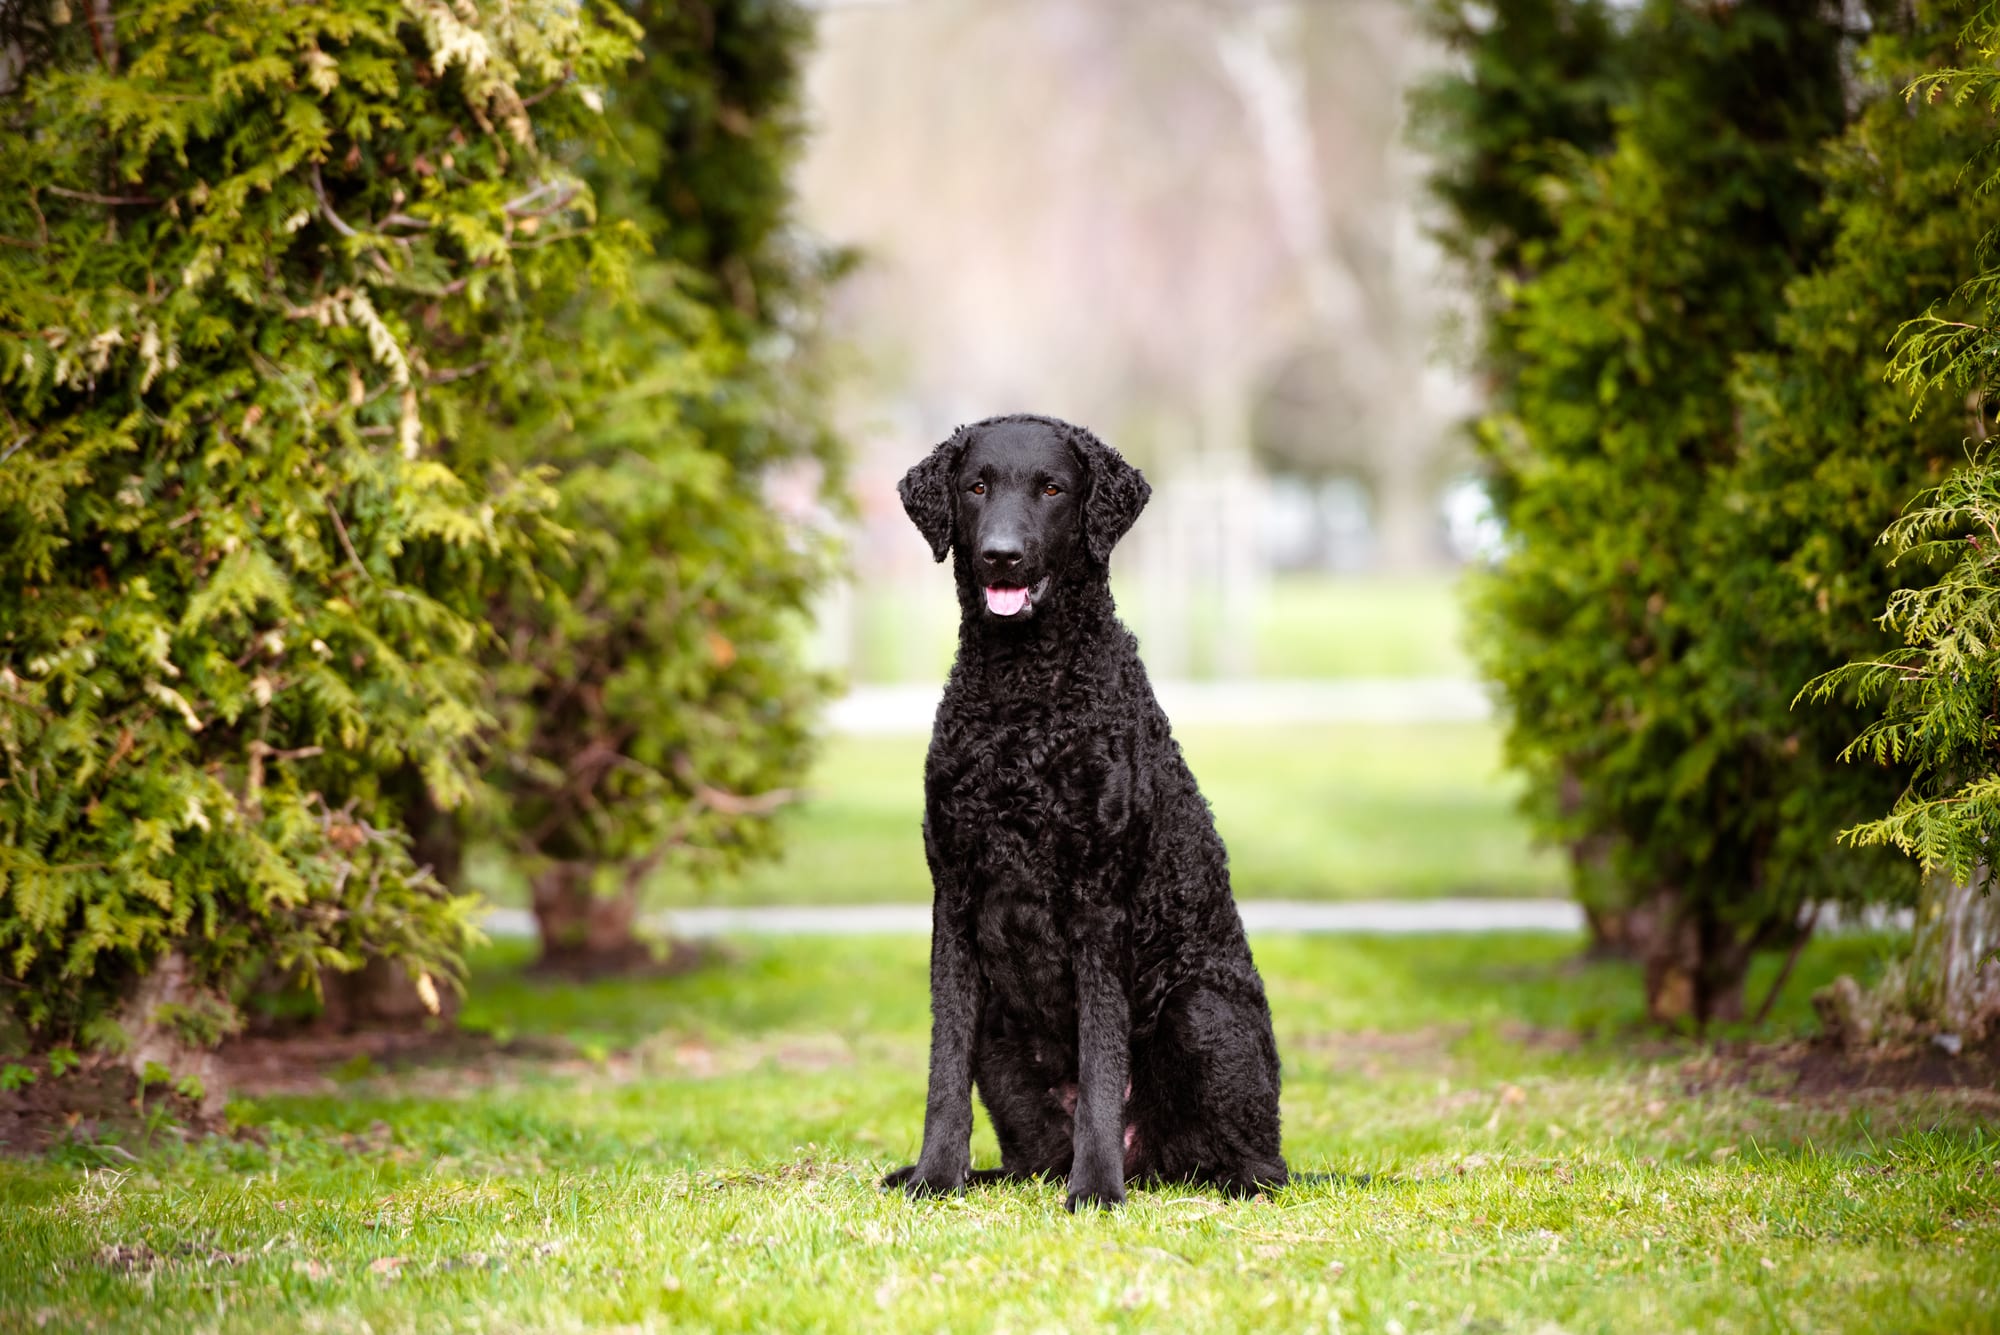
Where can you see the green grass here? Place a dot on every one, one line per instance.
(1304, 626)
(1537, 1168)
(1352, 627)
(1320, 812)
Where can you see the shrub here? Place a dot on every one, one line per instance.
(1937, 690)
(1692, 454)
(657, 706)
(266, 272)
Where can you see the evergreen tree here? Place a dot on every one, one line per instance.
(658, 707)
(1937, 689)
(1528, 102)
(266, 272)
(1608, 622)
(1828, 449)
(1533, 85)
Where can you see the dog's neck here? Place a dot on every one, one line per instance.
(1030, 658)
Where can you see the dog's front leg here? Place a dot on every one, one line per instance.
(956, 996)
(1104, 1054)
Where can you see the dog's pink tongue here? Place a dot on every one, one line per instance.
(1005, 602)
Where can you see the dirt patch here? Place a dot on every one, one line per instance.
(320, 1063)
(1816, 1069)
(1825, 1071)
(97, 1102)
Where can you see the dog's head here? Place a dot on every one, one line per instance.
(1026, 501)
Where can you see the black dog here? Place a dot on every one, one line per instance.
(1088, 968)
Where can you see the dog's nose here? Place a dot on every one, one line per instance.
(1002, 554)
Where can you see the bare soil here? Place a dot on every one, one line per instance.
(1824, 1070)
(315, 1063)
(98, 1103)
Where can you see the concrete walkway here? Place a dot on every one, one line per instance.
(879, 711)
(1372, 917)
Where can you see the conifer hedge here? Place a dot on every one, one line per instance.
(657, 701)
(1937, 686)
(1693, 448)
(268, 274)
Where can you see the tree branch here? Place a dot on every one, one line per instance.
(518, 206)
(104, 34)
(90, 197)
(347, 543)
(326, 207)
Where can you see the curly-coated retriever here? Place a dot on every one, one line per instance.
(1089, 971)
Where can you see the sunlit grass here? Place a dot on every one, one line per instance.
(714, 1168)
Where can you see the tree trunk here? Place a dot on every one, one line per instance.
(380, 993)
(1615, 931)
(586, 934)
(1695, 962)
(1951, 980)
(1947, 985)
(435, 839)
(157, 1042)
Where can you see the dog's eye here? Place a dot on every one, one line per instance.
(979, 489)
(1051, 490)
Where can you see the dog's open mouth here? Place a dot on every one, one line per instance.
(1011, 600)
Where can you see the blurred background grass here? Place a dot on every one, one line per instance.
(1318, 811)
(1336, 627)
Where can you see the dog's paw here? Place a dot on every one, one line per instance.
(1104, 1195)
(916, 1180)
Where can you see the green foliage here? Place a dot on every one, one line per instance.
(266, 274)
(202, 1021)
(1694, 447)
(1937, 689)
(1531, 95)
(1535, 82)
(1673, 251)
(657, 707)
(1827, 449)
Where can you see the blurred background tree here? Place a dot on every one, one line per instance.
(1532, 85)
(265, 274)
(657, 701)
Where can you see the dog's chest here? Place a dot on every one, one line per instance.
(1007, 819)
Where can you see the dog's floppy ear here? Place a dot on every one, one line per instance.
(1118, 492)
(927, 493)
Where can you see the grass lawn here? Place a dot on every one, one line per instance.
(700, 1153)
(1320, 812)
(1304, 626)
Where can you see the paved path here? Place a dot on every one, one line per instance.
(1376, 917)
(902, 710)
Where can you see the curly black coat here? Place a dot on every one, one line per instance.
(1089, 972)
